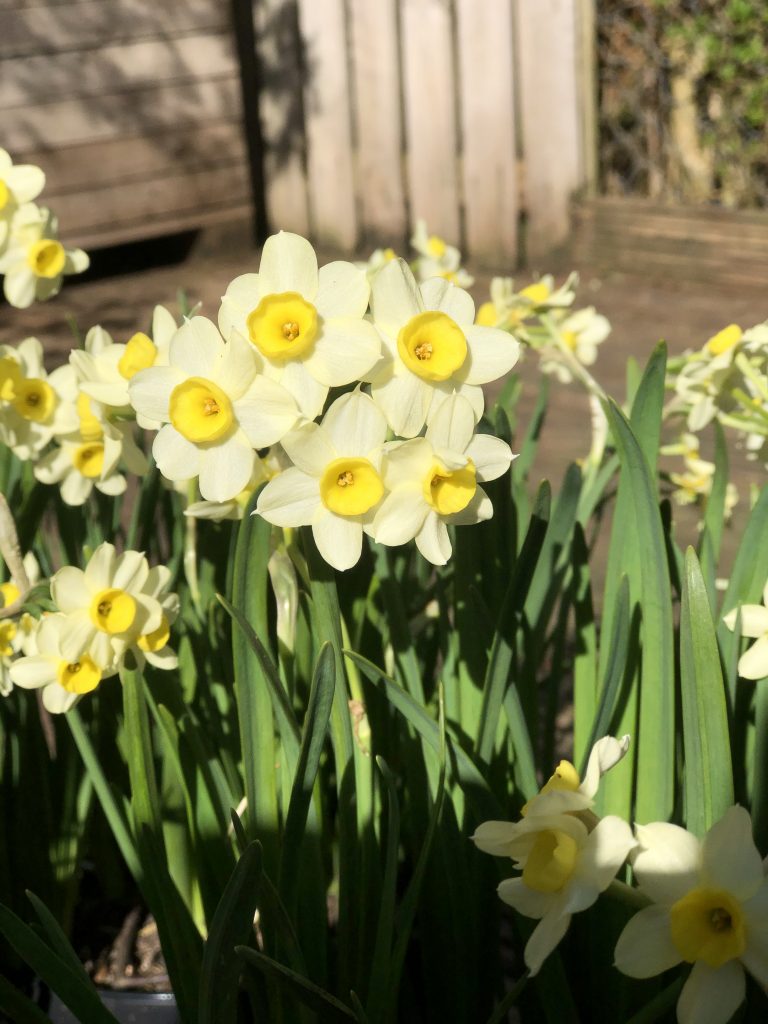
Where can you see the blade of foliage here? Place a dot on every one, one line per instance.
(18, 1008)
(249, 596)
(707, 780)
(654, 797)
(585, 693)
(521, 467)
(79, 995)
(501, 1012)
(56, 937)
(232, 925)
(377, 989)
(179, 938)
(315, 731)
(760, 761)
(714, 516)
(467, 773)
(327, 1006)
(614, 672)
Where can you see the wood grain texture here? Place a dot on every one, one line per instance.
(487, 102)
(551, 135)
(378, 121)
(430, 115)
(281, 110)
(328, 123)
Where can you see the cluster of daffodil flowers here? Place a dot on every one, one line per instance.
(707, 899)
(32, 259)
(117, 605)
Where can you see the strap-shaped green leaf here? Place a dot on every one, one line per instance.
(327, 1006)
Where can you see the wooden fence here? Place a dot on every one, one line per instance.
(477, 115)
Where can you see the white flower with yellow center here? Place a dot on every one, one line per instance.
(378, 259)
(108, 606)
(433, 481)
(216, 409)
(581, 333)
(437, 258)
(565, 866)
(19, 184)
(305, 324)
(63, 677)
(335, 482)
(566, 792)
(35, 261)
(105, 368)
(753, 664)
(154, 645)
(508, 309)
(710, 909)
(431, 348)
(34, 406)
(16, 632)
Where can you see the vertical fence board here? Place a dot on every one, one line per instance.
(328, 122)
(281, 111)
(378, 123)
(489, 159)
(546, 57)
(430, 115)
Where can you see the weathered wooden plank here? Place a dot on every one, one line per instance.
(186, 192)
(124, 66)
(130, 159)
(551, 132)
(91, 23)
(430, 115)
(378, 121)
(111, 115)
(487, 103)
(328, 123)
(166, 224)
(282, 114)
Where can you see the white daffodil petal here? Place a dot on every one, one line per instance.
(395, 296)
(78, 636)
(131, 571)
(401, 515)
(754, 620)
(491, 456)
(99, 571)
(432, 540)
(711, 996)
(176, 457)
(70, 589)
(225, 469)
(309, 447)
(516, 894)
(242, 296)
(753, 664)
(309, 393)
(606, 753)
(266, 412)
(25, 181)
(406, 462)
(492, 353)
(478, 510)
(668, 861)
(113, 486)
(645, 947)
(730, 859)
(494, 837)
(75, 489)
(342, 290)
(404, 400)
(453, 425)
(345, 351)
(288, 264)
(19, 286)
(197, 348)
(438, 293)
(57, 700)
(291, 499)
(755, 956)
(34, 671)
(602, 855)
(339, 540)
(545, 938)
(237, 368)
(355, 425)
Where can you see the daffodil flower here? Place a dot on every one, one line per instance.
(19, 184)
(34, 261)
(306, 324)
(108, 606)
(434, 481)
(34, 406)
(216, 407)
(63, 677)
(710, 909)
(565, 866)
(105, 368)
(436, 258)
(154, 646)
(335, 483)
(566, 792)
(581, 332)
(431, 348)
(753, 664)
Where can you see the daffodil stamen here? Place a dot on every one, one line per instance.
(81, 676)
(350, 486)
(708, 925)
(113, 611)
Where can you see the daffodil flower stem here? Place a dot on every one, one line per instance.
(190, 554)
(626, 894)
